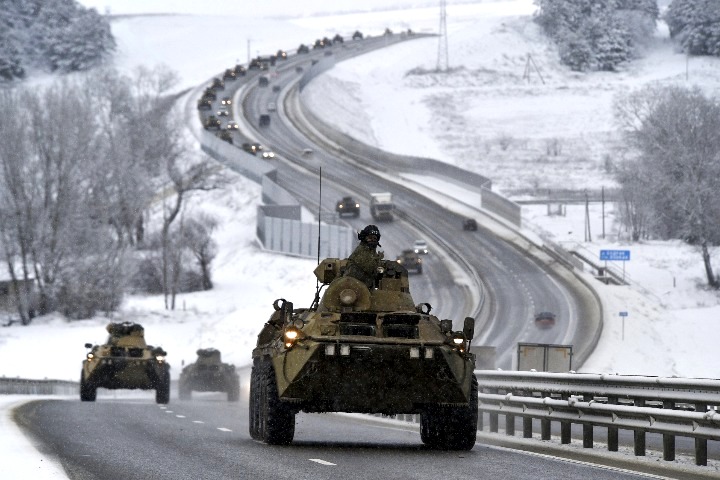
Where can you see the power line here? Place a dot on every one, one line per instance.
(443, 62)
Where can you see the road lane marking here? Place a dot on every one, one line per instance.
(223, 429)
(198, 421)
(180, 416)
(321, 462)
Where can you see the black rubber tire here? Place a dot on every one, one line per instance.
(162, 390)
(451, 428)
(88, 392)
(254, 403)
(233, 394)
(277, 420)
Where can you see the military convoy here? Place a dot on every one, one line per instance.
(209, 374)
(368, 350)
(347, 206)
(382, 206)
(411, 260)
(125, 361)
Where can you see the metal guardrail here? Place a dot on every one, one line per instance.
(685, 407)
(23, 386)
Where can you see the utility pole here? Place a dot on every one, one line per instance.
(443, 63)
(248, 55)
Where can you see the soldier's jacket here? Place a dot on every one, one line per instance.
(363, 263)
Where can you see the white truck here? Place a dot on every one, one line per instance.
(382, 206)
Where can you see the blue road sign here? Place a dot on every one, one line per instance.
(623, 314)
(615, 255)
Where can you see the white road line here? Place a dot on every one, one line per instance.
(321, 462)
(223, 429)
(180, 416)
(168, 411)
(198, 421)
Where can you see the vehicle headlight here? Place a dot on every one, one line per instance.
(160, 358)
(292, 334)
(90, 356)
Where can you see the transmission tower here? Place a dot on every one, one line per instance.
(443, 62)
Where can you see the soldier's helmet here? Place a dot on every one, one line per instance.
(367, 232)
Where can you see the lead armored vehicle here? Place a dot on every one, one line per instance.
(367, 350)
(125, 361)
(209, 374)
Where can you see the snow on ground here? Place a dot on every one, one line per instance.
(484, 116)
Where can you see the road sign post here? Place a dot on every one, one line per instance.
(623, 315)
(615, 256)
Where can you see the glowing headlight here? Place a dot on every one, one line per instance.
(291, 336)
(160, 358)
(414, 352)
(458, 340)
(90, 356)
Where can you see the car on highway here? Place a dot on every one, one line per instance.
(420, 247)
(223, 111)
(268, 154)
(410, 260)
(470, 224)
(232, 126)
(545, 320)
(226, 101)
(253, 148)
(271, 107)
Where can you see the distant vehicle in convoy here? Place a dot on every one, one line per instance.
(210, 94)
(263, 81)
(223, 111)
(225, 136)
(264, 120)
(307, 152)
(470, 224)
(364, 350)
(212, 122)
(338, 38)
(268, 154)
(348, 206)
(229, 74)
(226, 101)
(125, 360)
(299, 69)
(276, 88)
(204, 104)
(319, 43)
(253, 148)
(281, 55)
(232, 126)
(420, 247)
(303, 48)
(382, 206)
(357, 35)
(217, 84)
(271, 107)
(410, 260)
(387, 32)
(545, 320)
(209, 374)
(240, 70)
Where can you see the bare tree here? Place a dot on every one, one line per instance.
(197, 233)
(676, 133)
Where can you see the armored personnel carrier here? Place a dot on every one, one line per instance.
(367, 350)
(209, 374)
(125, 361)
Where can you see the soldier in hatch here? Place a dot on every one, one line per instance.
(364, 261)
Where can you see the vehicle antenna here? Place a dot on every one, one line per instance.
(316, 300)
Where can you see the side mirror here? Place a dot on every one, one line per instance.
(469, 328)
(88, 345)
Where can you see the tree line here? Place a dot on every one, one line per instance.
(94, 181)
(51, 36)
(603, 34)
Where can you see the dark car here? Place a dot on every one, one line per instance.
(357, 35)
(281, 55)
(229, 74)
(225, 136)
(204, 104)
(239, 70)
(338, 38)
(545, 320)
(303, 48)
(264, 120)
(348, 206)
(212, 122)
(470, 224)
(263, 81)
(217, 84)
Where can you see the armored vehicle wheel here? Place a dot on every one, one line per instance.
(451, 428)
(88, 391)
(233, 394)
(162, 391)
(184, 391)
(276, 420)
(254, 419)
